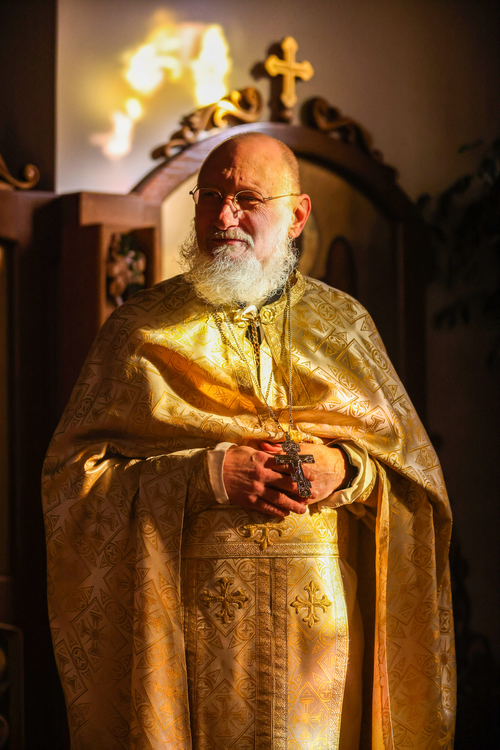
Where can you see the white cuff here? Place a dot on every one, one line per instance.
(215, 462)
(365, 477)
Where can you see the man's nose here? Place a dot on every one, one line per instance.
(227, 215)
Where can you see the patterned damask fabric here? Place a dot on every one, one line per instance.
(271, 630)
(178, 624)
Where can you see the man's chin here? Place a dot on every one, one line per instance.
(233, 249)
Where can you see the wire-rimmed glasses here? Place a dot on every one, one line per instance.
(243, 200)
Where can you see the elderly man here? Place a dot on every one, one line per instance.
(247, 528)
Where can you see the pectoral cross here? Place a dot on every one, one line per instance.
(295, 459)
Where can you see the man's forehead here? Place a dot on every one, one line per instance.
(256, 159)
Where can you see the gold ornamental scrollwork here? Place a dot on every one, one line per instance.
(241, 106)
(319, 114)
(265, 534)
(31, 177)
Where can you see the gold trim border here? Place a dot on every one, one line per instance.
(284, 549)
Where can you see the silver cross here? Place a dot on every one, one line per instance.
(295, 459)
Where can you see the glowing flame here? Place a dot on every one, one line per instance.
(169, 54)
(118, 141)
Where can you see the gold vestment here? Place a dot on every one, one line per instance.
(178, 622)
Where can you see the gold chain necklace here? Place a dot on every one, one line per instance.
(290, 448)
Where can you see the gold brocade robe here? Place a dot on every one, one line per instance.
(180, 623)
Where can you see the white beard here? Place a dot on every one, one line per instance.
(226, 280)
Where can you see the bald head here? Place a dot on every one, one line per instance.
(272, 156)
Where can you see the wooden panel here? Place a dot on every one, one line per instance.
(104, 208)
(28, 86)
(30, 228)
(89, 222)
(4, 435)
(11, 688)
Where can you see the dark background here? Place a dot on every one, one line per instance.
(422, 76)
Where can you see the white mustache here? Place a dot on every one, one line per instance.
(231, 234)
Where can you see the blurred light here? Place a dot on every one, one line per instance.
(118, 141)
(181, 53)
(211, 67)
(134, 108)
(145, 72)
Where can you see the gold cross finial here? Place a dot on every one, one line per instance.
(289, 69)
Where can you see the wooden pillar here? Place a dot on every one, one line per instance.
(28, 45)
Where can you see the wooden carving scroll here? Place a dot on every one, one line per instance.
(125, 267)
(318, 114)
(239, 107)
(31, 177)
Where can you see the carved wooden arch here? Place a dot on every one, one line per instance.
(398, 308)
(373, 178)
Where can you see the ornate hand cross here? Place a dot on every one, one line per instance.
(289, 69)
(295, 458)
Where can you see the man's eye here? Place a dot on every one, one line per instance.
(209, 196)
(248, 199)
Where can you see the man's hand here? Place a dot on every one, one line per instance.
(326, 474)
(254, 482)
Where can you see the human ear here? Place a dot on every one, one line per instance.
(300, 213)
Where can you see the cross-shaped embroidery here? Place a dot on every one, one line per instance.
(311, 604)
(228, 600)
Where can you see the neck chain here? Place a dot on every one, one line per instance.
(291, 448)
(256, 381)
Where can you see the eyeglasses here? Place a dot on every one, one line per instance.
(243, 200)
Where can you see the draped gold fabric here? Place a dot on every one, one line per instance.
(180, 623)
